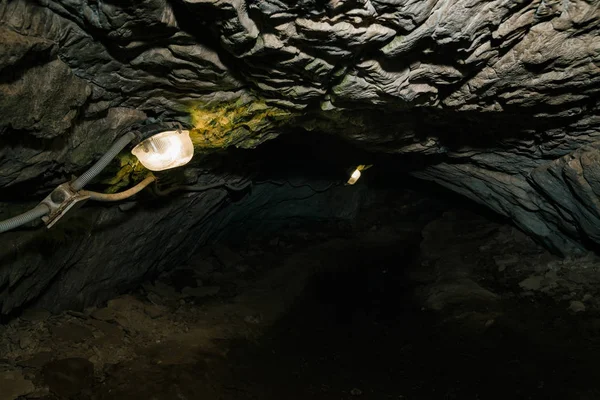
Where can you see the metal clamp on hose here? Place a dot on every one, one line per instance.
(62, 200)
(164, 150)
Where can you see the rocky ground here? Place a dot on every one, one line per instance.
(416, 301)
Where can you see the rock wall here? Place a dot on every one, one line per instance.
(104, 251)
(499, 98)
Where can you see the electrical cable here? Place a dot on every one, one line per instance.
(109, 197)
(91, 173)
(22, 219)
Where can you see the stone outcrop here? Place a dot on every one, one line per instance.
(498, 98)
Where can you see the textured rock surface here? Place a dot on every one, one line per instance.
(498, 97)
(105, 251)
(463, 280)
(14, 385)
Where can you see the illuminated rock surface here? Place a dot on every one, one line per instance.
(497, 99)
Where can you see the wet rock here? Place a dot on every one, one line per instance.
(104, 314)
(39, 393)
(45, 99)
(241, 268)
(35, 315)
(77, 314)
(13, 385)
(16, 48)
(460, 293)
(203, 291)
(503, 262)
(26, 341)
(112, 334)
(38, 360)
(154, 311)
(576, 306)
(70, 332)
(155, 299)
(532, 283)
(253, 319)
(227, 257)
(162, 290)
(203, 266)
(127, 302)
(68, 377)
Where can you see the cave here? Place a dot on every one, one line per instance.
(273, 199)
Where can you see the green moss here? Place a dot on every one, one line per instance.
(242, 124)
(125, 171)
(245, 123)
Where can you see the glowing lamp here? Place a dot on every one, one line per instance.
(356, 173)
(165, 150)
(354, 177)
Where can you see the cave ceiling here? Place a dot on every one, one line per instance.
(499, 98)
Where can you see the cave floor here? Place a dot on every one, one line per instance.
(454, 307)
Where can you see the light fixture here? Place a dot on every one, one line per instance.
(165, 150)
(356, 174)
(354, 177)
(157, 151)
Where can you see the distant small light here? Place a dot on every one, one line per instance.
(165, 150)
(354, 177)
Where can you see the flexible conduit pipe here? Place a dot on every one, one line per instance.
(91, 173)
(77, 185)
(24, 218)
(121, 195)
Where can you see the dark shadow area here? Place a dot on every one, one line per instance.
(358, 329)
(358, 333)
(302, 156)
(418, 294)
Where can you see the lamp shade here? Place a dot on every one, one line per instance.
(165, 150)
(354, 177)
